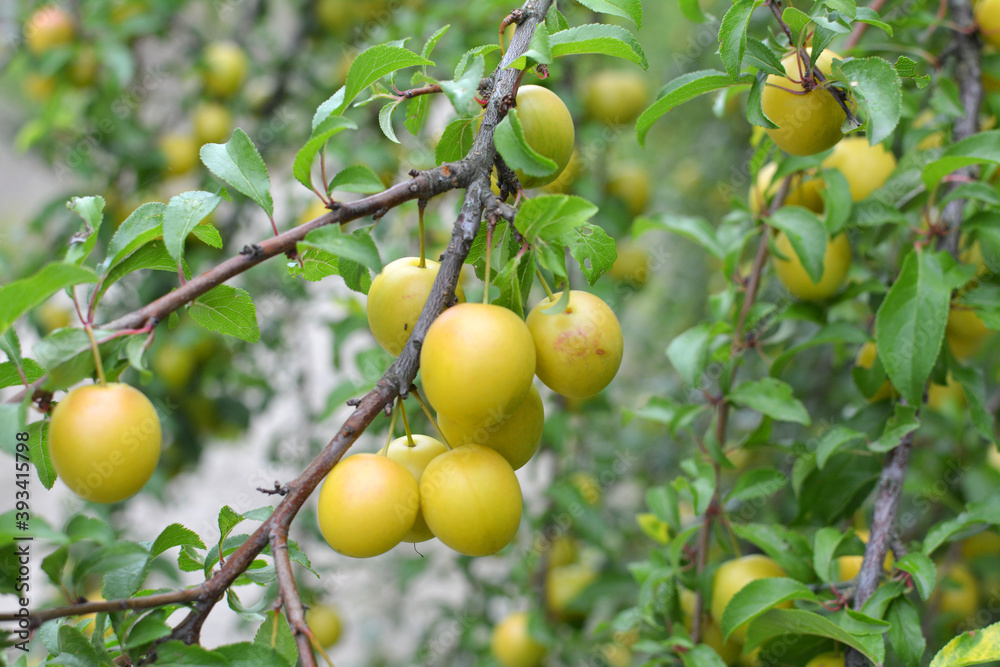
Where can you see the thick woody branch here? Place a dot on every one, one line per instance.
(471, 173)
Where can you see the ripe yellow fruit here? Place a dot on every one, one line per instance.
(47, 28)
(563, 585)
(631, 183)
(808, 122)
(580, 349)
(615, 96)
(848, 567)
(653, 527)
(986, 543)
(83, 68)
(548, 129)
(415, 457)
(965, 332)
(52, 316)
(804, 190)
(946, 397)
(316, 209)
(866, 359)
(732, 576)
(987, 13)
(711, 633)
(367, 504)
(396, 297)
(180, 152)
(827, 660)
(105, 441)
(471, 500)
(562, 551)
(174, 365)
(793, 276)
(865, 167)
(39, 88)
(959, 593)
(477, 361)
(225, 68)
(565, 180)
(516, 435)
(325, 623)
(512, 644)
(587, 485)
(212, 123)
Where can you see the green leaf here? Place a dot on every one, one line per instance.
(785, 546)
(923, 570)
(903, 421)
(825, 543)
(546, 219)
(208, 234)
(758, 597)
(833, 441)
(975, 515)
(473, 53)
(357, 246)
(227, 310)
(807, 234)
(20, 296)
(276, 633)
(147, 629)
(691, 10)
(385, 121)
(175, 535)
(910, 323)
(832, 334)
(770, 397)
(456, 140)
(798, 622)
(185, 212)
(733, 35)
(368, 67)
(755, 112)
(539, 50)
(971, 380)
(461, 91)
(694, 229)
(757, 483)
(881, 92)
(124, 564)
(91, 210)
(905, 635)
(701, 655)
(591, 246)
(683, 89)
(228, 519)
(982, 148)
(688, 352)
(143, 225)
(837, 202)
(302, 166)
(239, 164)
(796, 19)
(763, 58)
(970, 648)
(515, 150)
(9, 376)
(628, 9)
(153, 255)
(600, 39)
(357, 178)
(871, 17)
(38, 452)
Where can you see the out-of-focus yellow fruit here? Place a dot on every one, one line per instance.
(987, 13)
(565, 181)
(180, 152)
(808, 122)
(804, 190)
(48, 28)
(631, 183)
(711, 633)
(965, 332)
(946, 398)
(866, 359)
(563, 585)
(959, 593)
(986, 543)
(512, 644)
(174, 365)
(562, 551)
(932, 140)
(83, 68)
(632, 264)
(39, 88)
(315, 209)
(587, 485)
(615, 97)
(793, 274)
(865, 167)
(325, 623)
(225, 68)
(53, 317)
(212, 123)
(827, 660)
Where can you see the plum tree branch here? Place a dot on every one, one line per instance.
(290, 595)
(471, 173)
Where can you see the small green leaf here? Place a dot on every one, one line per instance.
(185, 212)
(461, 91)
(833, 441)
(38, 452)
(825, 543)
(923, 570)
(763, 58)
(982, 148)
(91, 210)
(683, 89)
(881, 92)
(600, 39)
(688, 352)
(152, 255)
(871, 17)
(357, 246)
(20, 296)
(694, 229)
(175, 535)
(239, 164)
(591, 246)
(782, 621)
(276, 633)
(227, 310)
(357, 178)
(385, 121)
(905, 635)
(975, 515)
(548, 218)
(691, 9)
(302, 166)
(903, 421)
(910, 323)
(143, 225)
(456, 140)
(628, 9)
(9, 376)
(733, 35)
(970, 648)
(368, 67)
(758, 597)
(807, 234)
(770, 397)
(756, 484)
(539, 50)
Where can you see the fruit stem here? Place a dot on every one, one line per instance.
(430, 416)
(421, 205)
(406, 425)
(392, 428)
(545, 285)
(97, 354)
(486, 277)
